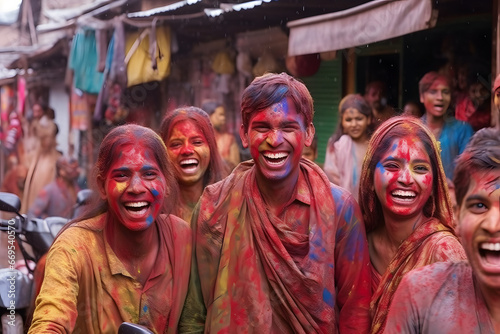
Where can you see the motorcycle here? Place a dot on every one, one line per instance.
(16, 281)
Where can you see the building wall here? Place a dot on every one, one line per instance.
(59, 101)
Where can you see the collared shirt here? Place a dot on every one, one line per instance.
(86, 288)
(303, 270)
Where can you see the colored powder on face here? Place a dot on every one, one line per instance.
(381, 167)
(155, 192)
(120, 187)
(328, 298)
(149, 220)
(145, 308)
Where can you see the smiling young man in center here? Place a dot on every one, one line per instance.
(279, 249)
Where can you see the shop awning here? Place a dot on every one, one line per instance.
(371, 22)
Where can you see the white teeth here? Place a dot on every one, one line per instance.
(276, 155)
(490, 246)
(136, 204)
(404, 193)
(188, 162)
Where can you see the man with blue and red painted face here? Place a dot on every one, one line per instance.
(278, 248)
(461, 296)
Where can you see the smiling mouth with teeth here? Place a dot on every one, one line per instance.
(275, 157)
(189, 163)
(490, 252)
(136, 206)
(404, 194)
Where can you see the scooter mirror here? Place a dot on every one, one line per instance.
(9, 203)
(129, 328)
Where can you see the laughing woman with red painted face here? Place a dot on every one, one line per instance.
(125, 259)
(406, 207)
(192, 150)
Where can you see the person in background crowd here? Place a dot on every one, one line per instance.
(278, 248)
(376, 96)
(126, 259)
(193, 153)
(31, 141)
(226, 142)
(475, 107)
(58, 197)
(42, 169)
(14, 180)
(461, 296)
(406, 208)
(347, 147)
(412, 108)
(453, 135)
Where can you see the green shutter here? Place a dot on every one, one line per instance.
(326, 89)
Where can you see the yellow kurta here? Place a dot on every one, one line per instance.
(87, 289)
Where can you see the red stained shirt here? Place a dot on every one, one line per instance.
(303, 271)
(439, 298)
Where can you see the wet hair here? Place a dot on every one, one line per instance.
(428, 79)
(217, 169)
(351, 101)
(482, 154)
(209, 106)
(271, 88)
(111, 148)
(438, 204)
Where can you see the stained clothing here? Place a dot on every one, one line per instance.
(303, 271)
(87, 289)
(431, 242)
(453, 138)
(343, 164)
(477, 117)
(56, 199)
(440, 298)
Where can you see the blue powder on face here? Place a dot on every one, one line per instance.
(145, 308)
(379, 166)
(155, 192)
(149, 220)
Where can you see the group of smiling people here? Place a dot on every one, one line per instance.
(176, 243)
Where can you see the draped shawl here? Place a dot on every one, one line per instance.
(430, 242)
(250, 278)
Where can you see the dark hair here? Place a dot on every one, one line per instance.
(428, 79)
(217, 169)
(482, 153)
(271, 88)
(109, 151)
(351, 101)
(376, 84)
(438, 205)
(209, 106)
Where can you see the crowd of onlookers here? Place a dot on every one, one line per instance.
(398, 231)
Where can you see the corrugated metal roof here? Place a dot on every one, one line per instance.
(164, 9)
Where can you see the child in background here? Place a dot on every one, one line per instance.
(347, 146)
